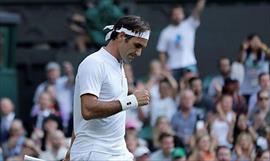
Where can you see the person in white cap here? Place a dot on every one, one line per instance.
(142, 153)
(100, 96)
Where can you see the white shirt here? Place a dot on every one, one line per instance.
(102, 75)
(7, 120)
(220, 130)
(162, 107)
(178, 41)
(49, 155)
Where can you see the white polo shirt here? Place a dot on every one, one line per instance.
(102, 75)
(178, 42)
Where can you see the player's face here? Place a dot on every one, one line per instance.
(131, 48)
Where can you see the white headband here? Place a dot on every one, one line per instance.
(144, 35)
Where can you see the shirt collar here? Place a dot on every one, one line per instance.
(110, 59)
(10, 116)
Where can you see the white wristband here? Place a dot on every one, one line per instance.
(129, 102)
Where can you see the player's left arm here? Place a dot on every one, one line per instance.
(198, 9)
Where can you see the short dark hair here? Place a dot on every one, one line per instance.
(133, 23)
(164, 135)
(193, 79)
(223, 58)
(175, 6)
(261, 75)
(222, 147)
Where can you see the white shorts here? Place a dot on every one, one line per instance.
(99, 156)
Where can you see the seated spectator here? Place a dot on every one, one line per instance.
(14, 145)
(231, 87)
(7, 116)
(162, 125)
(244, 148)
(223, 153)
(157, 74)
(165, 105)
(132, 142)
(132, 128)
(264, 83)
(142, 153)
(255, 56)
(178, 154)
(37, 121)
(224, 121)
(202, 101)
(184, 80)
(204, 150)
(1, 155)
(166, 145)
(215, 87)
(57, 150)
(184, 121)
(242, 125)
(260, 118)
(263, 155)
(30, 149)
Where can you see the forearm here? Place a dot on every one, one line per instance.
(101, 109)
(198, 9)
(162, 58)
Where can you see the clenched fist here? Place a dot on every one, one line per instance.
(142, 96)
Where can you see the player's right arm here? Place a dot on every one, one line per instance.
(92, 108)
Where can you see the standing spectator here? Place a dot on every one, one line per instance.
(7, 116)
(177, 40)
(166, 145)
(223, 153)
(57, 150)
(215, 87)
(264, 83)
(255, 57)
(184, 121)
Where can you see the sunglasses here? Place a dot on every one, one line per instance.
(264, 98)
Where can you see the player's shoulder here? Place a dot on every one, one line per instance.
(93, 60)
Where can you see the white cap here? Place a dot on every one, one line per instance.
(140, 151)
(52, 65)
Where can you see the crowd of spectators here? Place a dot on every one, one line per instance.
(188, 119)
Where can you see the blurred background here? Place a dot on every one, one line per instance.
(38, 36)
